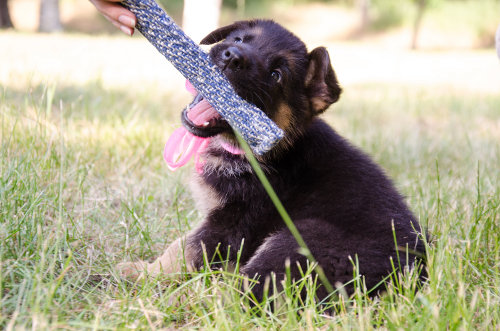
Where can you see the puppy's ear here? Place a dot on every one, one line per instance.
(322, 86)
(220, 34)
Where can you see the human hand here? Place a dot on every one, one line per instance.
(120, 16)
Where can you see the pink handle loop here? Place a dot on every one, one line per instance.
(181, 146)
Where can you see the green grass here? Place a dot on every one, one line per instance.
(83, 187)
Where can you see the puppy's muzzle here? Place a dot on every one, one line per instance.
(234, 59)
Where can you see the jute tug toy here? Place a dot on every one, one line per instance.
(260, 132)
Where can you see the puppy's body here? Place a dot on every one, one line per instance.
(341, 202)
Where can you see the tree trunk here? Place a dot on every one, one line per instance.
(497, 41)
(421, 5)
(240, 6)
(364, 9)
(49, 16)
(5, 21)
(200, 17)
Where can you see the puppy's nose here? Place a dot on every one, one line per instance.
(234, 58)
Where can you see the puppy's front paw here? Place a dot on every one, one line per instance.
(132, 270)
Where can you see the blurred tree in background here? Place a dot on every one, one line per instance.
(364, 9)
(5, 21)
(49, 16)
(196, 11)
(417, 23)
(425, 23)
(385, 14)
(380, 15)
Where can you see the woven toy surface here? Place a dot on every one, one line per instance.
(260, 132)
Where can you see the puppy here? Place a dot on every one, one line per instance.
(341, 202)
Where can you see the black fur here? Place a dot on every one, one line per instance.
(342, 202)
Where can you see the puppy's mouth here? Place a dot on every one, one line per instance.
(202, 120)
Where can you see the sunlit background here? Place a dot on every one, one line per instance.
(426, 42)
(85, 112)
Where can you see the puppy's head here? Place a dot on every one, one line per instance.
(271, 68)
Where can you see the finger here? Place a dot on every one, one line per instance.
(125, 29)
(115, 12)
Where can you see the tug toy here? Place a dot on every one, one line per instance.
(260, 132)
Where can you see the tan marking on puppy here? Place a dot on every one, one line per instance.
(178, 257)
(131, 270)
(321, 83)
(206, 199)
(283, 117)
(310, 72)
(319, 102)
(220, 166)
(285, 120)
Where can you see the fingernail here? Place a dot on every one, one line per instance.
(126, 20)
(126, 30)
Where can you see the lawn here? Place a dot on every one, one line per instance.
(83, 187)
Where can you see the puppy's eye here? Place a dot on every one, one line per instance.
(238, 40)
(276, 75)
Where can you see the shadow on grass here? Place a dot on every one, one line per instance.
(94, 101)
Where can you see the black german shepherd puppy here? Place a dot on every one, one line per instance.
(341, 202)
